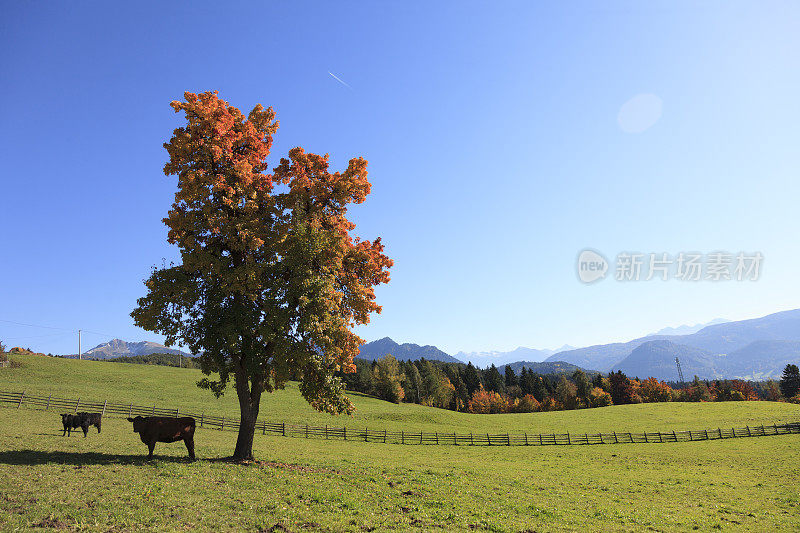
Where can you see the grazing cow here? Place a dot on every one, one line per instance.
(152, 429)
(80, 420)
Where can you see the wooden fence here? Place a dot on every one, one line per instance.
(18, 399)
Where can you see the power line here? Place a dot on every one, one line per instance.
(37, 336)
(33, 325)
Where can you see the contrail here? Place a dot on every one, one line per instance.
(337, 78)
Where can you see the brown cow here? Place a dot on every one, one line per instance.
(152, 429)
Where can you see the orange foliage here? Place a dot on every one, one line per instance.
(487, 402)
(651, 390)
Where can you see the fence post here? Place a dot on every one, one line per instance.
(691, 438)
(223, 424)
(176, 412)
(488, 439)
(437, 438)
(773, 425)
(306, 430)
(154, 410)
(76, 403)
(586, 436)
(645, 437)
(526, 438)
(540, 440)
(21, 396)
(384, 436)
(748, 431)
(104, 408)
(283, 429)
(471, 439)
(366, 434)
(48, 401)
(263, 428)
(326, 431)
(706, 433)
(630, 437)
(402, 437)
(674, 436)
(719, 430)
(130, 412)
(344, 429)
(202, 416)
(508, 440)
(569, 441)
(733, 430)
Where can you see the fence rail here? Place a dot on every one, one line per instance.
(222, 423)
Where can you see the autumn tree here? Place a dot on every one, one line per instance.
(622, 391)
(698, 391)
(437, 391)
(582, 384)
(271, 281)
(387, 378)
(566, 393)
(651, 390)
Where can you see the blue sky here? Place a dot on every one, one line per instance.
(497, 153)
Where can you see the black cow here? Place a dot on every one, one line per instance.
(80, 420)
(152, 429)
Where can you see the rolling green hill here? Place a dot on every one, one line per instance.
(102, 482)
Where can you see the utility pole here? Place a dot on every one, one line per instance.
(80, 352)
(680, 372)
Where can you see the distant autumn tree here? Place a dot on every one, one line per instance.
(271, 281)
(622, 391)
(387, 379)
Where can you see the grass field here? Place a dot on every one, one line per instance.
(103, 483)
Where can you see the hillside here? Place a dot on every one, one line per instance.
(760, 359)
(176, 388)
(402, 352)
(51, 481)
(657, 359)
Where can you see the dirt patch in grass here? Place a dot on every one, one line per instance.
(52, 523)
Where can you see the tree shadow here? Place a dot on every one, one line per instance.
(38, 457)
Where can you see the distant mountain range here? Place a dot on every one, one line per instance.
(119, 348)
(688, 330)
(748, 349)
(486, 359)
(402, 352)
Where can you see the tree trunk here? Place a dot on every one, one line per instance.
(249, 403)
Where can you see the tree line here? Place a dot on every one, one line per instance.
(465, 388)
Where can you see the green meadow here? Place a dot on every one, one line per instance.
(104, 483)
